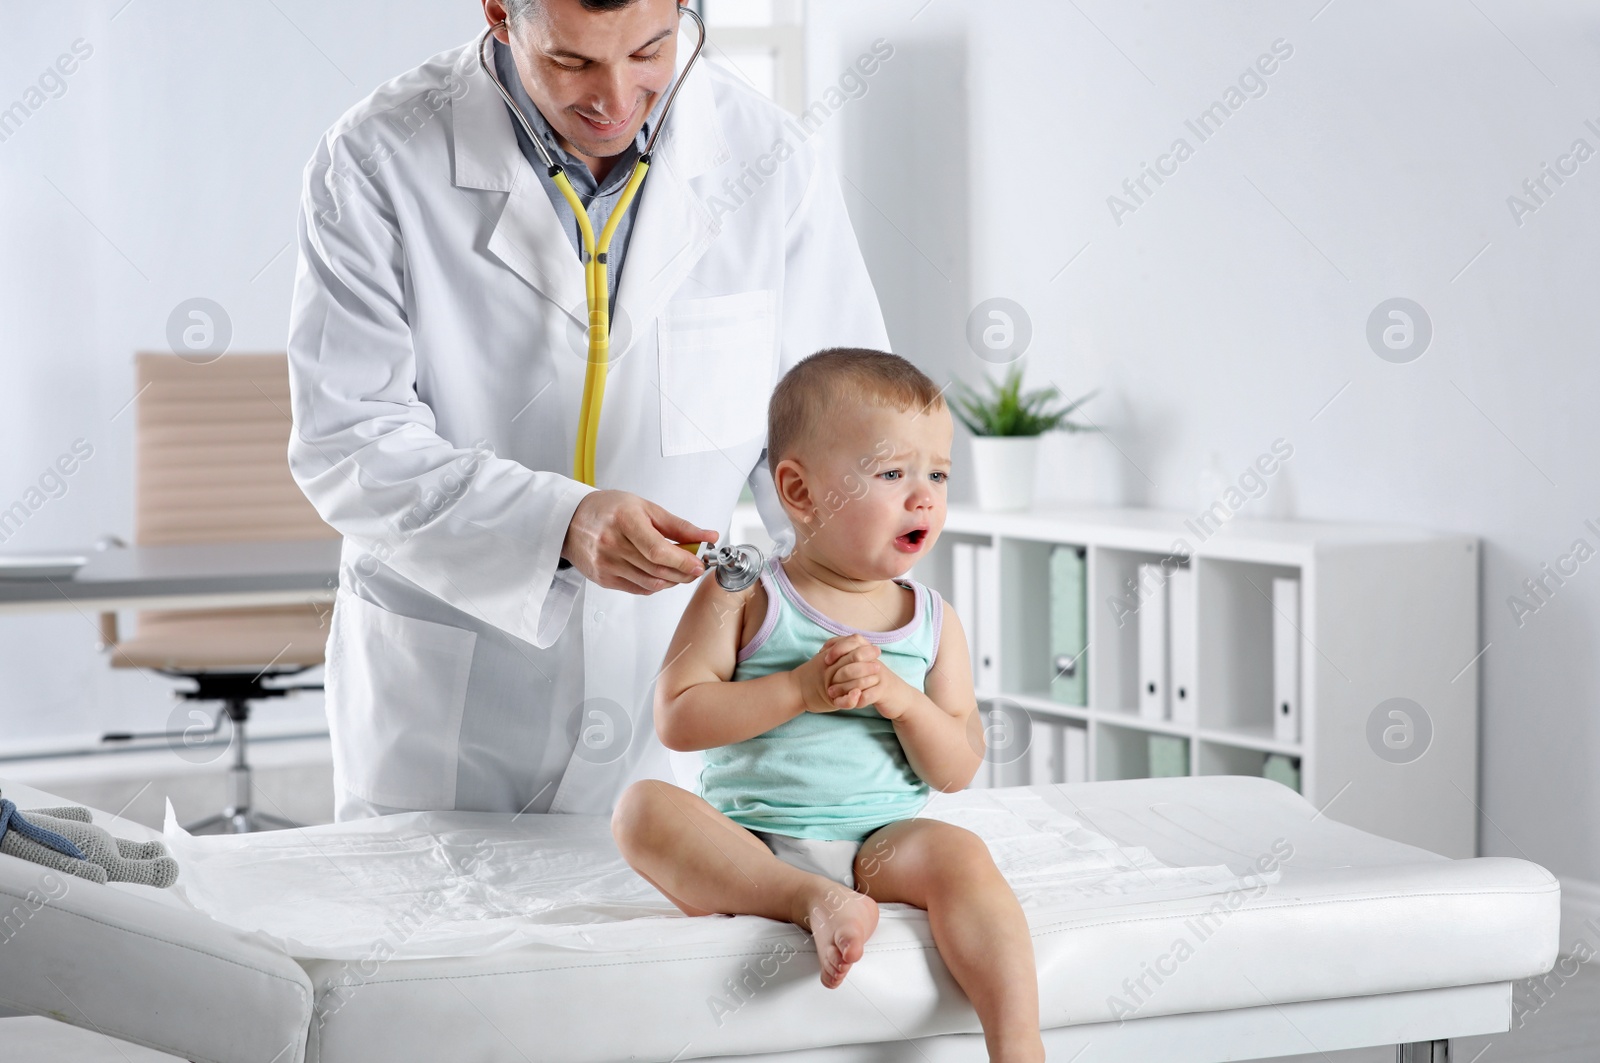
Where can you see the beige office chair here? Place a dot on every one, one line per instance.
(212, 467)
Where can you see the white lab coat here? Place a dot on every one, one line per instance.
(436, 367)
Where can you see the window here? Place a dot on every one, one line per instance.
(761, 42)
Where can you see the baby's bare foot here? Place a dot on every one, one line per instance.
(841, 922)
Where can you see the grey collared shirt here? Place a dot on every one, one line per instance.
(600, 198)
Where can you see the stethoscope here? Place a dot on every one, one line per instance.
(737, 566)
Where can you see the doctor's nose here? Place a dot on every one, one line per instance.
(611, 96)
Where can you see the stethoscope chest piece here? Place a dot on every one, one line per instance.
(737, 566)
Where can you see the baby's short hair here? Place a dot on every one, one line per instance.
(819, 384)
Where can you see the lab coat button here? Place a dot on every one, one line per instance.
(599, 615)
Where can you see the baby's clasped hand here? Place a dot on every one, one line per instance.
(847, 674)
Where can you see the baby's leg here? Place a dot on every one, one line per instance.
(705, 863)
(976, 921)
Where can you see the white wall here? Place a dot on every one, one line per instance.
(1231, 306)
(168, 168)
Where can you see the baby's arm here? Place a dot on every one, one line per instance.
(945, 747)
(696, 705)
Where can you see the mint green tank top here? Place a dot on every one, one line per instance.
(836, 775)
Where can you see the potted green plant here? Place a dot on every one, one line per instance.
(1006, 425)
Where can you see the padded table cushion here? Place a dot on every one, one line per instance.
(1351, 914)
(134, 963)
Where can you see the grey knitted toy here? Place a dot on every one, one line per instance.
(65, 839)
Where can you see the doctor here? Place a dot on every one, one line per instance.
(499, 626)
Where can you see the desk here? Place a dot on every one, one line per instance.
(215, 575)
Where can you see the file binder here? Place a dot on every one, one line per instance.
(1182, 626)
(987, 567)
(1068, 626)
(1007, 740)
(1169, 756)
(1044, 751)
(1075, 754)
(1280, 768)
(1153, 643)
(1286, 660)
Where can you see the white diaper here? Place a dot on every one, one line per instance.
(820, 856)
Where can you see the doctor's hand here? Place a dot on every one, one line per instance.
(623, 542)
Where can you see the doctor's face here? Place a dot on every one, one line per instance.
(594, 75)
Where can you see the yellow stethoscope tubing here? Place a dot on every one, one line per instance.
(597, 292)
(597, 296)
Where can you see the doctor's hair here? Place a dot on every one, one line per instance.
(522, 9)
(814, 391)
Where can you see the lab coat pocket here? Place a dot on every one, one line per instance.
(396, 688)
(717, 358)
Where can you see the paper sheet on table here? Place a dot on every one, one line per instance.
(437, 884)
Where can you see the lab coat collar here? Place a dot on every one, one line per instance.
(671, 233)
(675, 226)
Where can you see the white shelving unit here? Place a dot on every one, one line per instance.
(1385, 612)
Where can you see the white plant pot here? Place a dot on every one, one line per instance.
(1003, 469)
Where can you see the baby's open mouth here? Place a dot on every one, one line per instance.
(912, 539)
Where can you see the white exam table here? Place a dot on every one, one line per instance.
(527, 938)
